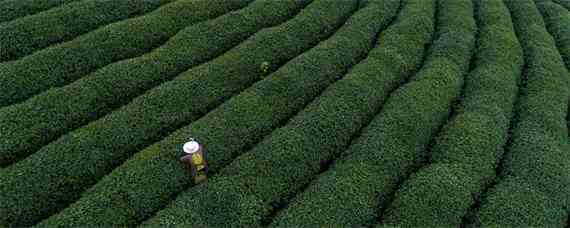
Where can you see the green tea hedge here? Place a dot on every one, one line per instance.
(516, 203)
(557, 20)
(286, 160)
(538, 158)
(79, 159)
(275, 98)
(12, 9)
(27, 126)
(469, 147)
(405, 135)
(325, 201)
(64, 63)
(564, 3)
(349, 192)
(26, 35)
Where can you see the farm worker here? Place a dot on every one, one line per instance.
(195, 161)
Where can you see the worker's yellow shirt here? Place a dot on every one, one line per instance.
(197, 159)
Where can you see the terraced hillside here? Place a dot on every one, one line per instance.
(313, 113)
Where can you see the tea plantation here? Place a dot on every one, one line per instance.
(312, 113)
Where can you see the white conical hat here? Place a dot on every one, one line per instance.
(191, 147)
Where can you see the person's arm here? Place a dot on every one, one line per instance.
(187, 162)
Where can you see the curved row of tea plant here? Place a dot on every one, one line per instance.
(64, 63)
(245, 192)
(557, 20)
(469, 148)
(535, 185)
(58, 173)
(563, 3)
(24, 36)
(246, 119)
(27, 126)
(353, 190)
(12, 9)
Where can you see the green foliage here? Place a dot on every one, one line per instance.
(27, 126)
(470, 145)
(246, 119)
(287, 159)
(515, 203)
(64, 63)
(356, 186)
(538, 158)
(336, 115)
(557, 20)
(80, 158)
(26, 35)
(564, 3)
(12, 9)
(430, 197)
